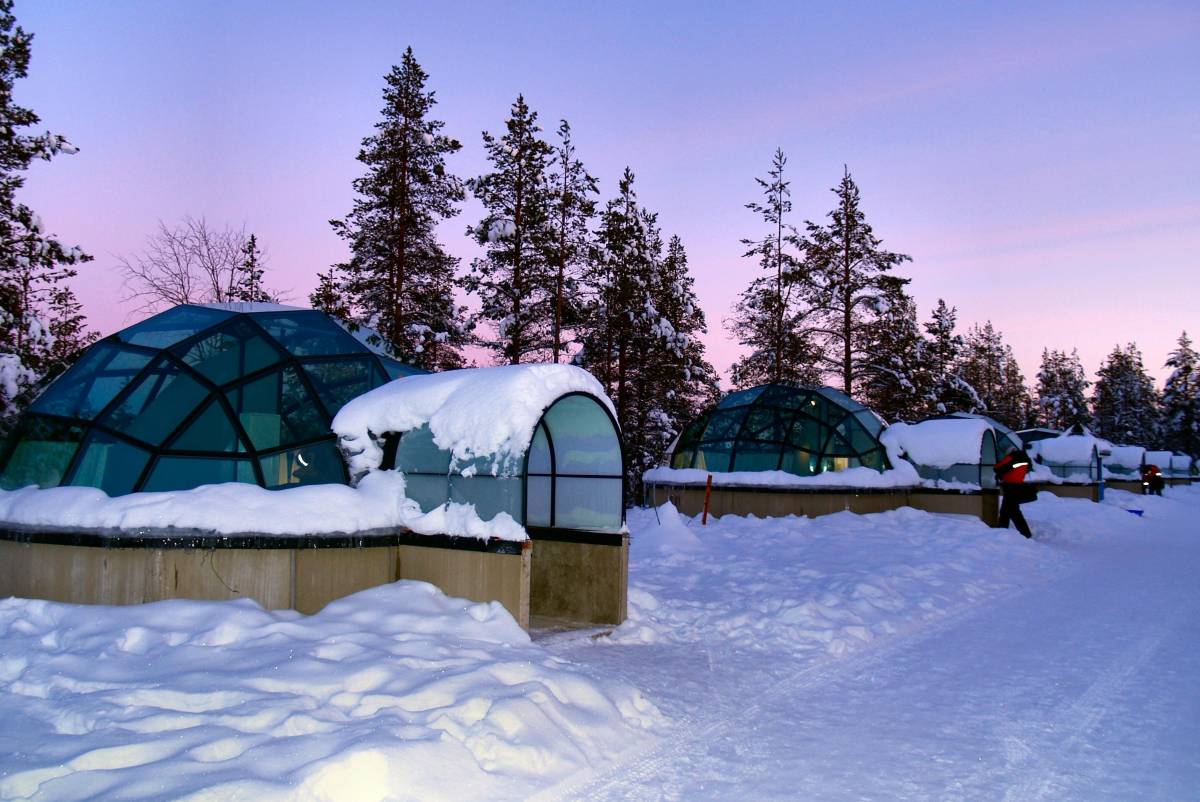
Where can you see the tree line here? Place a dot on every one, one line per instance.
(566, 276)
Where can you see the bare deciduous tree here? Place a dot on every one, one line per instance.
(192, 262)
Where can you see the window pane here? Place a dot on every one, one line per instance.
(739, 398)
(277, 409)
(537, 500)
(807, 434)
(490, 495)
(396, 369)
(318, 463)
(43, 451)
(234, 351)
(418, 453)
(584, 438)
(184, 473)
(756, 457)
(724, 424)
(799, 462)
(691, 435)
(212, 431)
(683, 458)
(785, 397)
(308, 333)
(588, 504)
(338, 382)
(430, 492)
(158, 404)
(539, 452)
(765, 423)
(168, 328)
(714, 456)
(874, 459)
(92, 382)
(109, 464)
(837, 447)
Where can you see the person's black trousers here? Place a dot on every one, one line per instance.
(1010, 510)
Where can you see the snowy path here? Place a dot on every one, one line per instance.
(1083, 683)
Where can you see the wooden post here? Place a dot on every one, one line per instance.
(707, 493)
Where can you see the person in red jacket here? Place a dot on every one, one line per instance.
(1010, 473)
(1152, 481)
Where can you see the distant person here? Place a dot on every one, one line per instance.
(1152, 481)
(1010, 473)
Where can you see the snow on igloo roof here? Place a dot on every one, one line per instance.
(1160, 458)
(472, 412)
(939, 443)
(1066, 449)
(1127, 456)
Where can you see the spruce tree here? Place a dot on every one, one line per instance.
(1061, 391)
(248, 282)
(1181, 400)
(771, 316)
(400, 280)
(1125, 403)
(34, 265)
(573, 205)
(989, 366)
(850, 274)
(893, 382)
(946, 389)
(514, 280)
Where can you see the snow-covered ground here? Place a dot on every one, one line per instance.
(902, 655)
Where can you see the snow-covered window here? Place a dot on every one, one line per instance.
(950, 449)
(800, 430)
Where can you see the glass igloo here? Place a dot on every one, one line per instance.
(199, 395)
(800, 430)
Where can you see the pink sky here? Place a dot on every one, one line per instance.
(1037, 161)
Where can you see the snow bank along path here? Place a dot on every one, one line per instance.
(398, 692)
(911, 656)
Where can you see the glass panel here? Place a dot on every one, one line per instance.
(587, 504)
(158, 404)
(691, 435)
(799, 462)
(836, 446)
(319, 463)
(277, 409)
(858, 438)
(537, 500)
(109, 464)
(212, 431)
(987, 452)
(43, 450)
(714, 456)
(870, 421)
(683, 458)
(740, 398)
(539, 452)
(338, 381)
(785, 397)
(836, 463)
(725, 424)
(756, 457)
(92, 382)
(169, 327)
(234, 351)
(584, 438)
(765, 423)
(418, 453)
(308, 333)
(874, 459)
(490, 495)
(807, 434)
(398, 370)
(184, 473)
(430, 492)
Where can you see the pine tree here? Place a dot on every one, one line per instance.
(330, 295)
(399, 279)
(1061, 391)
(771, 317)
(515, 281)
(850, 275)
(893, 382)
(1125, 403)
(248, 282)
(573, 205)
(946, 389)
(34, 265)
(989, 366)
(1181, 400)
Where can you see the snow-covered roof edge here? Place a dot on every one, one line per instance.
(937, 443)
(904, 475)
(472, 412)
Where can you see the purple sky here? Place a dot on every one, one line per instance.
(1038, 161)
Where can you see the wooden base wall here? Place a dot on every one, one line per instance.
(584, 583)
